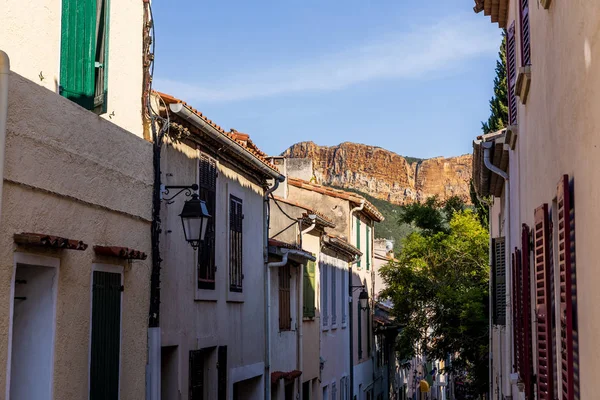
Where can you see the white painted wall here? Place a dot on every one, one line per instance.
(33, 333)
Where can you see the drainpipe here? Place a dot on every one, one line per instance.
(351, 300)
(267, 286)
(300, 292)
(4, 73)
(507, 367)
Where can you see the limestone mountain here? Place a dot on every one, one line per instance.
(384, 174)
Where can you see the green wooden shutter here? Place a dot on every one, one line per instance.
(84, 46)
(368, 247)
(358, 240)
(309, 290)
(106, 336)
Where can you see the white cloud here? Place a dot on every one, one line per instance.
(402, 55)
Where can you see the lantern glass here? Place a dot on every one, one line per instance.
(194, 218)
(363, 298)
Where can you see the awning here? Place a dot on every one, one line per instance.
(485, 181)
(279, 248)
(121, 252)
(43, 240)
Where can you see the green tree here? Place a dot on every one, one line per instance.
(439, 288)
(499, 102)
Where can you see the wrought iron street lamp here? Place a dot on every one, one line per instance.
(363, 299)
(194, 216)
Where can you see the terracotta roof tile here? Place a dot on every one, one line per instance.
(43, 240)
(234, 135)
(121, 252)
(309, 210)
(369, 209)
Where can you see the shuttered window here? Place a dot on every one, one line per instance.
(207, 172)
(568, 293)
(358, 240)
(515, 309)
(543, 305)
(333, 294)
(359, 318)
(236, 217)
(344, 296)
(324, 303)
(334, 391)
(309, 290)
(196, 372)
(106, 335)
(525, 361)
(525, 35)
(511, 73)
(83, 54)
(222, 373)
(499, 281)
(285, 317)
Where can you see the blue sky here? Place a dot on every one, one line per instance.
(414, 77)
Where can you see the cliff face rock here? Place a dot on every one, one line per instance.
(384, 174)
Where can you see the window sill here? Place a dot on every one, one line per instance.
(334, 326)
(308, 319)
(205, 295)
(344, 325)
(235, 297)
(523, 83)
(325, 328)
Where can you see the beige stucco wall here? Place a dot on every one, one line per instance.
(558, 134)
(71, 174)
(194, 319)
(30, 33)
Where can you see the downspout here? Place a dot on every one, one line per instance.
(508, 278)
(351, 300)
(300, 348)
(267, 285)
(4, 74)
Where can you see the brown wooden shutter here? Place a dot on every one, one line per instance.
(499, 281)
(526, 344)
(525, 35)
(543, 305)
(515, 310)
(568, 295)
(285, 317)
(511, 73)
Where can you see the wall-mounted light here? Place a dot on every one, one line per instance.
(194, 215)
(363, 299)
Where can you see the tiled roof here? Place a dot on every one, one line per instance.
(327, 222)
(342, 244)
(496, 9)
(357, 199)
(284, 245)
(121, 252)
(242, 139)
(43, 240)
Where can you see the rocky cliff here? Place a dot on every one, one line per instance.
(384, 174)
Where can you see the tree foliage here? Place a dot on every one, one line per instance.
(439, 287)
(499, 102)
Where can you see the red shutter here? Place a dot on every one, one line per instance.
(525, 35)
(543, 305)
(526, 357)
(567, 288)
(511, 73)
(515, 311)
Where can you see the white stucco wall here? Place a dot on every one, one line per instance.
(30, 33)
(194, 319)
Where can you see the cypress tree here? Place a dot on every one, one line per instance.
(499, 102)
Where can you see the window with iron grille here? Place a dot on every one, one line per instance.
(499, 281)
(333, 294)
(344, 296)
(511, 73)
(285, 308)
(525, 35)
(236, 217)
(207, 173)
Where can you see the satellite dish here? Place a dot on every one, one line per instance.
(389, 245)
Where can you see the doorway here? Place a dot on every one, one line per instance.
(33, 326)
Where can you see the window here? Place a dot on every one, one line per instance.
(499, 281)
(83, 53)
(197, 378)
(359, 341)
(333, 295)
(358, 240)
(525, 36)
(368, 247)
(285, 317)
(309, 290)
(324, 303)
(107, 291)
(511, 73)
(236, 218)
(207, 173)
(306, 390)
(326, 393)
(222, 373)
(333, 391)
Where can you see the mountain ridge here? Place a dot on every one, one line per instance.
(384, 174)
